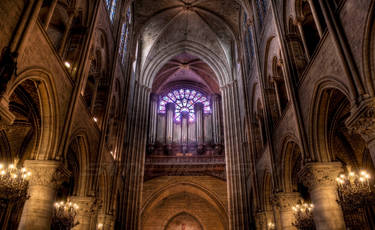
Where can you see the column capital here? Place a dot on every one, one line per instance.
(286, 200)
(362, 120)
(317, 175)
(87, 205)
(47, 173)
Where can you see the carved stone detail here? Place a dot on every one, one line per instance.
(320, 174)
(286, 200)
(47, 173)
(362, 120)
(87, 205)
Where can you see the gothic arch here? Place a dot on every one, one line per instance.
(219, 66)
(319, 115)
(178, 187)
(82, 149)
(49, 110)
(368, 50)
(291, 163)
(184, 214)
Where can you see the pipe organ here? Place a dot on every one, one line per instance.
(185, 122)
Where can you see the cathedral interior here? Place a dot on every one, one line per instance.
(187, 114)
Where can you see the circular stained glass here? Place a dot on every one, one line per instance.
(184, 100)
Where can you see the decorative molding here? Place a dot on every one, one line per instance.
(47, 173)
(362, 120)
(285, 200)
(317, 175)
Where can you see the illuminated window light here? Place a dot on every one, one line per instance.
(67, 64)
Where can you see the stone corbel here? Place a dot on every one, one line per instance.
(362, 120)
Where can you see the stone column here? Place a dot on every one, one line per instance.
(105, 222)
(72, 13)
(316, 17)
(362, 122)
(320, 178)
(86, 212)
(49, 15)
(284, 202)
(45, 179)
(299, 25)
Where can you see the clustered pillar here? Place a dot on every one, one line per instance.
(38, 209)
(239, 213)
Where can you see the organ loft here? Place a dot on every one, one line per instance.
(187, 114)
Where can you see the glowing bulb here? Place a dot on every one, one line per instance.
(3, 172)
(11, 166)
(1, 166)
(363, 173)
(100, 226)
(67, 64)
(342, 176)
(23, 170)
(361, 179)
(14, 176)
(95, 119)
(352, 174)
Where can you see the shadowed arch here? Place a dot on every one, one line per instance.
(318, 118)
(49, 109)
(219, 67)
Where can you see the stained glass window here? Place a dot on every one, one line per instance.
(125, 36)
(112, 11)
(184, 101)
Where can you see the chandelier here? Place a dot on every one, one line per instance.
(64, 215)
(271, 226)
(354, 190)
(303, 214)
(13, 181)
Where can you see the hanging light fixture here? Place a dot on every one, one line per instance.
(303, 214)
(14, 181)
(64, 215)
(271, 226)
(354, 190)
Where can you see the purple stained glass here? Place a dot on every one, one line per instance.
(184, 100)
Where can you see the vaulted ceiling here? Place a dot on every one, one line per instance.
(212, 24)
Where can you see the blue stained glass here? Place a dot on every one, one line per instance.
(112, 11)
(184, 100)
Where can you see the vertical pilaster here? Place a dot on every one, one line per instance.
(316, 17)
(66, 32)
(239, 215)
(49, 15)
(320, 178)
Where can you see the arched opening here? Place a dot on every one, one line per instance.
(337, 143)
(185, 114)
(184, 221)
(309, 28)
(295, 47)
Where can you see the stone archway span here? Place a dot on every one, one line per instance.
(219, 66)
(46, 148)
(175, 188)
